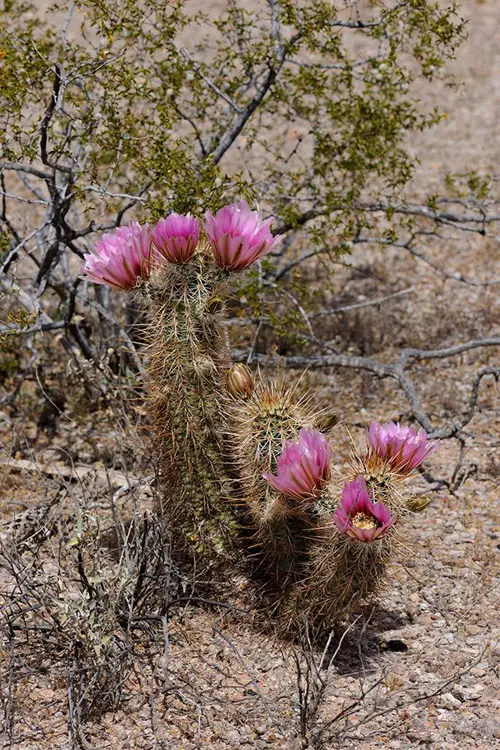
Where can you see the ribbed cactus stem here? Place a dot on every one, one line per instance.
(342, 574)
(261, 424)
(188, 359)
(284, 536)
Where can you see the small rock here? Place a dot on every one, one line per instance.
(468, 693)
(448, 700)
(473, 629)
(272, 737)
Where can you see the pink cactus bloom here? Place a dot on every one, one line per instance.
(403, 448)
(121, 258)
(358, 516)
(303, 467)
(238, 236)
(176, 237)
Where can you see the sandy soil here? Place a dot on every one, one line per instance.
(429, 650)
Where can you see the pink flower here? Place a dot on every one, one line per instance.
(121, 258)
(403, 448)
(176, 237)
(358, 516)
(238, 236)
(303, 467)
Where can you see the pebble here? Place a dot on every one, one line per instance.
(468, 693)
(473, 629)
(448, 700)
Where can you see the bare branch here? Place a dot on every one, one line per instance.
(360, 305)
(455, 428)
(26, 168)
(397, 372)
(441, 217)
(449, 351)
(276, 27)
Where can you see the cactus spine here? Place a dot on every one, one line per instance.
(233, 451)
(282, 529)
(188, 358)
(341, 574)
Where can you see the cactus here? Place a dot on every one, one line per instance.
(348, 560)
(188, 358)
(393, 453)
(245, 465)
(261, 424)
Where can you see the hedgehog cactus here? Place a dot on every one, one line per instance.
(303, 469)
(393, 454)
(188, 358)
(273, 415)
(246, 464)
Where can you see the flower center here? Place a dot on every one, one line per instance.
(362, 521)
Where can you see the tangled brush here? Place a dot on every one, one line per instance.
(245, 465)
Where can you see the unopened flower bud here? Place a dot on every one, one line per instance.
(239, 381)
(418, 503)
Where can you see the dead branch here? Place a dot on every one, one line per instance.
(397, 372)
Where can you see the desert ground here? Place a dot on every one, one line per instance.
(417, 669)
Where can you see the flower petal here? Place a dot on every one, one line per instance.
(238, 236)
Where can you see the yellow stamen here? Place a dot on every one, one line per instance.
(362, 521)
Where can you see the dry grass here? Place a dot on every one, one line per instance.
(417, 670)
